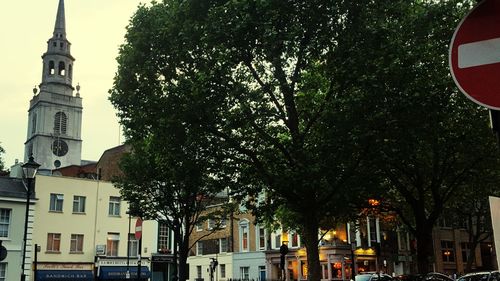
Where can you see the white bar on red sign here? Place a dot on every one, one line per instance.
(479, 53)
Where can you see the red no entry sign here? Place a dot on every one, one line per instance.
(138, 229)
(475, 54)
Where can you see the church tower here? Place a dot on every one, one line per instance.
(55, 112)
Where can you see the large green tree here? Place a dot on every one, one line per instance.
(298, 95)
(432, 143)
(258, 78)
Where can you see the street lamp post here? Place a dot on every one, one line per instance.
(29, 172)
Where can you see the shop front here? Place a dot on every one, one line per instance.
(64, 272)
(121, 269)
(366, 260)
(334, 261)
(162, 267)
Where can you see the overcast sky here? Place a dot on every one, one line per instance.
(95, 29)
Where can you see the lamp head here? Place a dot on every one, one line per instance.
(30, 168)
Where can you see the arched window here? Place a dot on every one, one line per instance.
(70, 69)
(60, 122)
(51, 67)
(244, 236)
(62, 68)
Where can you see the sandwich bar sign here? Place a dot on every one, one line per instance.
(474, 56)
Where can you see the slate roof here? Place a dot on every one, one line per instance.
(12, 187)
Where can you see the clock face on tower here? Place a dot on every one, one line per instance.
(59, 147)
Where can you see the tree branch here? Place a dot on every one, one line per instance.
(266, 89)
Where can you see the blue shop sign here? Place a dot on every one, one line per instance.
(120, 272)
(64, 275)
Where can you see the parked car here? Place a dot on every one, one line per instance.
(373, 277)
(431, 276)
(481, 276)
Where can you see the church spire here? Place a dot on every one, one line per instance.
(60, 26)
(58, 61)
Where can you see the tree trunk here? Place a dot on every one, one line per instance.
(471, 257)
(425, 249)
(311, 242)
(183, 254)
(175, 255)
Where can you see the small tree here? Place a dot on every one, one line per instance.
(169, 178)
(471, 210)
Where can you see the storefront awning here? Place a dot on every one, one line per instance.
(119, 272)
(64, 275)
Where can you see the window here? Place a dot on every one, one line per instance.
(133, 246)
(294, 239)
(372, 225)
(56, 202)
(244, 236)
(71, 71)
(112, 245)
(223, 223)
(199, 226)
(447, 251)
(262, 273)
(79, 204)
(445, 222)
(60, 123)
(114, 206)
(53, 242)
(51, 67)
(3, 271)
(76, 243)
(163, 237)
(62, 68)
(4, 222)
(199, 248)
(223, 245)
(198, 271)
(244, 272)
(462, 223)
(222, 271)
(465, 251)
(261, 238)
(210, 224)
(277, 240)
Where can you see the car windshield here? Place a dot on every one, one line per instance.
(363, 277)
(474, 277)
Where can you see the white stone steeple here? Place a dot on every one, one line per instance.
(55, 113)
(57, 61)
